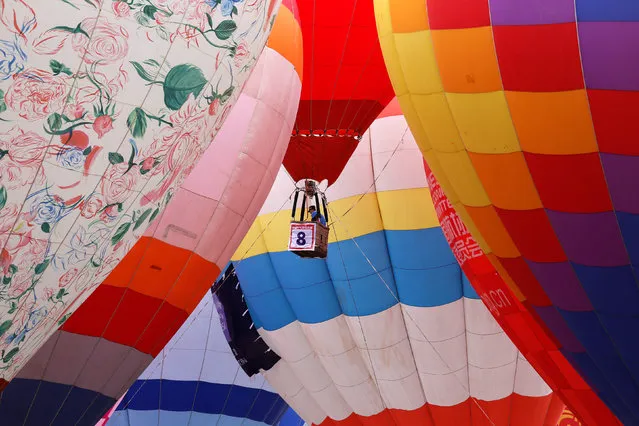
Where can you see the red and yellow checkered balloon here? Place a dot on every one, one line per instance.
(526, 111)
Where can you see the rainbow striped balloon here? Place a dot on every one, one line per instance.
(386, 330)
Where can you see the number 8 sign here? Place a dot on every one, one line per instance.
(302, 236)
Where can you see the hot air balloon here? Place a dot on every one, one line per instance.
(524, 112)
(196, 380)
(386, 330)
(105, 107)
(110, 339)
(345, 87)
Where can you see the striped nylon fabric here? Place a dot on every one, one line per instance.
(196, 381)
(386, 330)
(111, 338)
(526, 113)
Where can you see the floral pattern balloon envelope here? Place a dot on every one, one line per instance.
(105, 107)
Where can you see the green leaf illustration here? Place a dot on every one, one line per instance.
(154, 215)
(142, 218)
(142, 19)
(45, 227)
(54, 121)
(40, 267)
(225, 29)
(3, 196)
(120, 233)
(115, 158)
(224, 97)
(210, 20)
(63, 319)
(61, 293)
(152, 62)
(6, 358)
(142, 72)
(149, 11)
(77, 30)
(137, 122)
(59, 67)
(5, 326)
(3, 105)
(180, 82)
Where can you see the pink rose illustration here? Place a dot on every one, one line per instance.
(37, 249)
(50, 42)
(36, 93)
(77, 110)
(48, 293)
(109, 263)
(241, 54)
(111, 79)
(21, 166)
(121, 9)
(13, 175)
(68, 277)
(103, 125)
(26, 253)
(18, 17)
(109, 214)
(20, 283)
(25, 148)
(5, 261)
(116, 185)
(108, 42)
(179, 146)
(91, 207)
(194, 15)
(214, 106)
(147, 164)
(8, 216)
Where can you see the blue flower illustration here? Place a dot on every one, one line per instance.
(71, 158)
(12, 58)
(45, 208)
(47, 211)
(228, 5)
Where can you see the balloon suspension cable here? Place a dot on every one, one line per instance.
(466, 386)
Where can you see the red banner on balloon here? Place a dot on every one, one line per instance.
(527, 334)
(477, 267)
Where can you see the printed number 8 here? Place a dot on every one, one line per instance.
(301, 238)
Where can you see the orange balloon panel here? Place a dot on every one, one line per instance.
(110, 339)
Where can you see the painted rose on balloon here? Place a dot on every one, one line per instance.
(105, 107)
